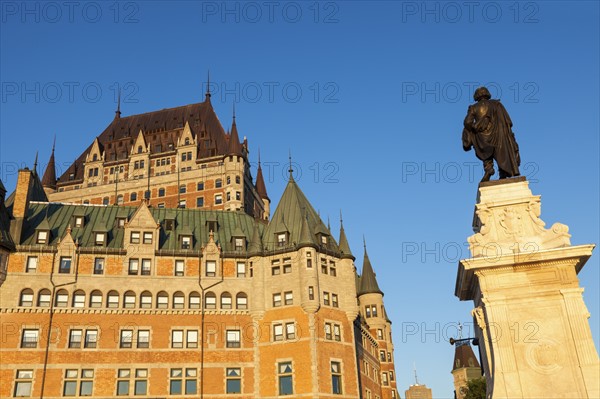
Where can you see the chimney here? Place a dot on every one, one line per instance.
(21, 203)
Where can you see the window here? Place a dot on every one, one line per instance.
(391, 373)
(177, 339)
(192, 338)
(332, 269)
(233, 338)
(29, 339)
(42, 237)
(194, 300)
(218, 199)
(120, 199)
(134, 265)
(368, 311)
(179, 267)
(228, 180)
(290, 330)
(211, 268)
(275, 268)
(323, 266)
(26, 298)
(237, 180)
(23, 383)
(78, 299)
(241, 301)
(200, 186)
(135, 237)
(146, 267)
(336, 332)
(288, 297)
(105, 201)
(241, 269)
(65, 264)
(178, 300)
(44, 298)
(75, 338)
(140, 383)
(374, 311)
(328, 331)
(210, 300)
(281, 238)
(382, 356)
(126, 338)
(226, 302)
(199, 202)
(379, 333)
(278, 332)
(285, 378)
(233, 380)
(239, 244)
(326, 298)
(161, 192)
(122, 384)
(143, 339)
(146, 300)
(276, 300)
(177, 381)
(32, 264)
(287, 265)
(336, 378)
(112, 299)
(162, 300)
(384, 379)
(311, 293)
(91, 338)
(218, 183)
(182, 189)
(228, 196)
(334, 300)
(133, 197)
(99, 266)
(389, 356)
(186, 242)
(147, 237)
(62, 299)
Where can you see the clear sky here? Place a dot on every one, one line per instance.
(369, 97)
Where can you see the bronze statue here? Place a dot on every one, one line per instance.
(487, 128)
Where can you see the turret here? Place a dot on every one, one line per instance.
(49, 179)
(261, 189)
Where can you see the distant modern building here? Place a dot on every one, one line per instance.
(465, 368)
(165, 295)
(418, 391)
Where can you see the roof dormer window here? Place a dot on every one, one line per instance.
(100, 239)
(323, 239)
(169, 224)
(282, 239)
(78, 221)
(239, 243)
(186, 242)
(42, 236)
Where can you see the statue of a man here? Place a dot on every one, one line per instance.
(487, 128)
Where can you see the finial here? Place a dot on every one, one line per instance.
(328, 224)
(234, 112)
(207, 96)
(259, 157)
(118, 111)
(35, 162)
(364, 242)
(290, 158)
(341, 219)
(459, 331)
(54, 143)
(415, 369)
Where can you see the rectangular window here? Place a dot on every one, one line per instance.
(148, 237)
(391, 373)
(199, 202)
(368, 311)
(200, 186)
(382, 356)
(278, 332)
(179, 267)
(143, 339)
(309, 263)
(141, 383)
(327, 330)
(287, 265)
(23, 383)
(100, 239)
(211, 268)
(126, 338)
(42, 237)
(233, 338)
(186, 242)
(336, 332)
(374, 310)
(290, 331)
(326, 298)
(78, 221)
(239, 244)
(336, 378)
(323, 265)
(233, 380)
(384, 379)
(311, 293)
(178, 380)
(285, 378)
(32, 264)
(192, 338)
(134, 265)
(29, 338)
(281, 239)
(70, 385)
(379, 333)
(65, 264)
(122, 384)
(146, 267)
(218, 199)
(332, 269)
(177, 339)
(218, 183)
(276, 300)
(334, 300)
(135, 237)
(75, 338)
(99, 266)
(91, 339)
(182, 204)
(241, 269)
(288, 297)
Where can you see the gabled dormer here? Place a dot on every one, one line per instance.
(96, 152)
(93, 169)
(322, 234)
(140, 146)
(185, 237)
(187, 137)
(100, 233)
(142, 230)
(78, 220)
(212, 225)
(238, 239)
(43, 233)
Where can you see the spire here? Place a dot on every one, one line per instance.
(291, 170)
(368, 282)
(118, 111)
(207, 95)
(260, 182)
(49, 179)
(235, 147)
(344, 246)
(306, 238)
(35, 162)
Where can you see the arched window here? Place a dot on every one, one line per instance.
(162, 300)
(187, 141)
(78, 299)
(96, 299)
(241, 301)
(129, 300)
(26, 298)
(146, 300)
(133, 197)
(112, 299)
(120, 199)
(226, 300)
(194, 300)
(178, 300)
(62, 299)
(140, 149)
(44, 298)
(105, 201)
(210, 300)
(95, 157)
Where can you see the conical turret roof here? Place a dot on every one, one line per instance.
(368, 282)
(49, 178)
(344, 246)
(464, 356)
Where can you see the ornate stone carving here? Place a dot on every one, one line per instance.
(507, 220)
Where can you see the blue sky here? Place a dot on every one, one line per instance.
(369, 97)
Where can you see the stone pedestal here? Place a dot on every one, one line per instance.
(532, 322)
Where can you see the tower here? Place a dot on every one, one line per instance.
(464, 368)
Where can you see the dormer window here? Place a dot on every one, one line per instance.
(239, 243)
(65, 265)
(43, 237)
(282, 239)
(120, 222)
(71, 176)
(148, 237)
(95, 157)
(186, 242)
(139, 150)
(212, 225)
(323, 239)
(100, 239)
(78, 221)
(169, 224)
(187, 141)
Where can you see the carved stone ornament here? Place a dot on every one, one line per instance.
(507, 221)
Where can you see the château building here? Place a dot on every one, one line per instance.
(118, 280)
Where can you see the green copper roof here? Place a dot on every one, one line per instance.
(344, 246)
(368, 282)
